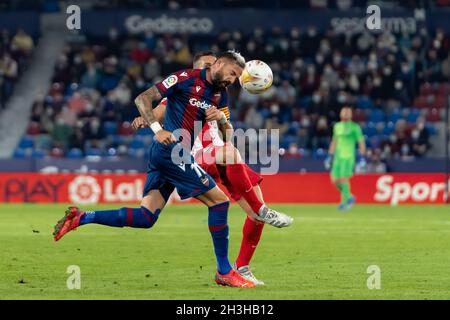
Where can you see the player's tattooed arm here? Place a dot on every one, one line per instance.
(144, 103)
(159, 112)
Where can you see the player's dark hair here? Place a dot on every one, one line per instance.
(232, 56)
(200, 54)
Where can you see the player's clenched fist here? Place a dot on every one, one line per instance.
(214, 114)
(165, 137)
(138, 123)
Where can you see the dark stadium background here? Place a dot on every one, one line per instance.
(67, 96)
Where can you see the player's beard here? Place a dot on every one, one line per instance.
(217, 81)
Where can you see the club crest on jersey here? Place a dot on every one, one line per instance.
(170, 81)
(205, 180)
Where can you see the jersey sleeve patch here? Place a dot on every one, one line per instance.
(170, 81)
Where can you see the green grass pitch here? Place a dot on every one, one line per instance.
(323, 255)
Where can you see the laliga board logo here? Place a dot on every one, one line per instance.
(170, 81)
(84, 190)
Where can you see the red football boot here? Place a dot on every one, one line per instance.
(233, 279)
(69, 222)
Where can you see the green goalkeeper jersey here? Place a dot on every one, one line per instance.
(346, 134)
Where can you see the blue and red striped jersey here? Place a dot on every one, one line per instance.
(188, 96)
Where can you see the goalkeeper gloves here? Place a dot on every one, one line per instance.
(328, 161)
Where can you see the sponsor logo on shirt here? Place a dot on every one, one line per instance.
(200, 104)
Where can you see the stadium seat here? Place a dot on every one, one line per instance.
(37, 153)
(26, 142)
(394, 116)
(431, 129)
(110, 128)
(370, 129)
(443, 89)
(137, 144)
(19, 153)
(376, 116)
(320, 153)
(426, 89)
(439, 102)
(305, 102)
(136, 152)
(293, 127)
(433, 115)
(75, 153)
(363, 102)
(125, 129)
(413, 115)
(93, 152)
(287, 140)
(359, 115)
(388, 129)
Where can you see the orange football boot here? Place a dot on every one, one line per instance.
(69, 222)
(233, 279)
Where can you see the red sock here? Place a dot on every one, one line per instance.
(251, 234)
(238, 177)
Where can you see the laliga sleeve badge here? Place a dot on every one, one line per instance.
(170, 81)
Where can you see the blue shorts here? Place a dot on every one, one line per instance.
(165, 175)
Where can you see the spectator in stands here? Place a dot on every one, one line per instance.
(314, 75)
(420, 136)
(321, 134)
(8, 75)
(375, 164)
(23, 42)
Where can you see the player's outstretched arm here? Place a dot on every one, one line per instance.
(144, 103)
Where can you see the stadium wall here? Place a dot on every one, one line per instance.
(87, 189)
(210, 22)
(132, 165)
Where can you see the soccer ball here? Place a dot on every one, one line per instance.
(257, 77)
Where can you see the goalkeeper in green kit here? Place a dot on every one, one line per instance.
(341, 155)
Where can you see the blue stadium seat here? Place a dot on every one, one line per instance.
(137, 144)
(136, 152)
(265, 113)
(305, 102)
(370, 129)
(93, 152)
(364, 102)
(389, 128)
(376, 116)
(287, 140)
(110, 128)
(412, 116)
(37, 154)
(19, 153)
(320, 153)
(26, 142)
(293, 127)
(431, 129)
(394, 116)
(75, 153)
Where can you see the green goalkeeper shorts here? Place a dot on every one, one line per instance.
(342, 168)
